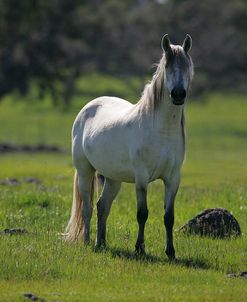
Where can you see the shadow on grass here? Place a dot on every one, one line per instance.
(131, 255)
(193, 263)
(152, 259)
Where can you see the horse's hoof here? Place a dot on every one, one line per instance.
(87, 242)
(171, 258)
(170, 252)
(99, 246)
(140, 249)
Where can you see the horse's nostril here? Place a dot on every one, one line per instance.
(183, 93)
(173, 93)
(178, 95)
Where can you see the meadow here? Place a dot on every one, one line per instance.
(214, 175)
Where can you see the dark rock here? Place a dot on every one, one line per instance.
(32, 297)
(13, 232)
(14, 182)
(6, 147)
(243, 275)
(10, 182)
(31, 179)
(234, 275)
(216, 222)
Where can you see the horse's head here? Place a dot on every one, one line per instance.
(179, 68)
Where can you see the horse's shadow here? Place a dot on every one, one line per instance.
(153, 259)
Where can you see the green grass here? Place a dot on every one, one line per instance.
(214, 175)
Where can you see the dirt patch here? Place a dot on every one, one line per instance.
(216, 222)
(6, 147)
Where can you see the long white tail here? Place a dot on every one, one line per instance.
(75, 228)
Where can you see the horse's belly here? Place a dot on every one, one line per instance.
(116, 170)
(119, 175)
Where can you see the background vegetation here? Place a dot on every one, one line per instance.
(52, 43)
(214, 175)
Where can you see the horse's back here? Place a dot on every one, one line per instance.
(100, 113)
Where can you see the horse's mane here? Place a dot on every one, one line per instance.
(154, 91)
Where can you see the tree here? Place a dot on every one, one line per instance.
(53, 42)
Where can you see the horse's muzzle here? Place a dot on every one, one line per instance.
(178, 96)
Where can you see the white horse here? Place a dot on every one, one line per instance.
(132, 143)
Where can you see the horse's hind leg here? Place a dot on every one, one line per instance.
(85, 184)
(110, 190)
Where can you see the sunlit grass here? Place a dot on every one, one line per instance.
(214, 175)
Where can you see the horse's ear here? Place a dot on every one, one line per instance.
(165, 43)
(187, 44)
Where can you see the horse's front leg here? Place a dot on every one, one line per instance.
(142, 216)
(170, 195)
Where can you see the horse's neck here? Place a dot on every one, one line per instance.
(165, 117)
(169, 118)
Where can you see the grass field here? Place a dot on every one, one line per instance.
(214, 175)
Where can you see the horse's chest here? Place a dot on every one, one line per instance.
(168, 159)
(172, 155)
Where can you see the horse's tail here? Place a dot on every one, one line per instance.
(75, 228)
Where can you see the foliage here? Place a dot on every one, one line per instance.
(52, 43)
